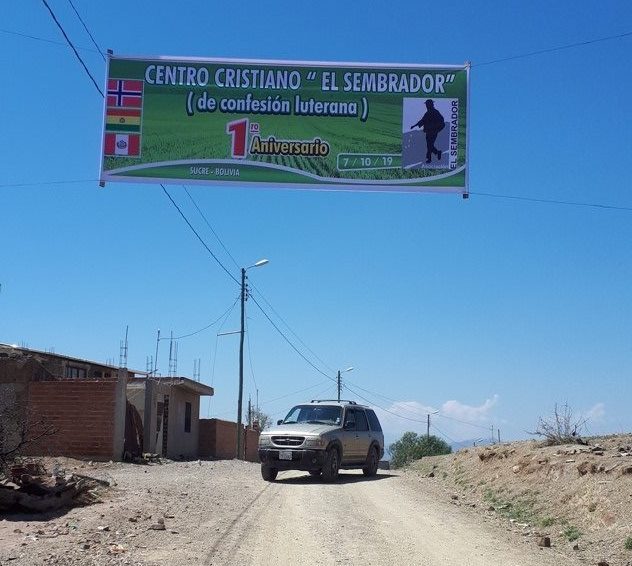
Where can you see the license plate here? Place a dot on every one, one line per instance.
(285, 454)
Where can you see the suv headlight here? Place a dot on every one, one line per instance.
(265, 440)
(315, 442)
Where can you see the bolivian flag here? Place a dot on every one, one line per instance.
(122, 120)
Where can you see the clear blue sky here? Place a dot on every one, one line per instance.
(489, 309)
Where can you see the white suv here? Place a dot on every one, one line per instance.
(322, 437)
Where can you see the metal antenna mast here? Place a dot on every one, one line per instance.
(123, 350)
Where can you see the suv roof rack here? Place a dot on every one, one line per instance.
(333, 401)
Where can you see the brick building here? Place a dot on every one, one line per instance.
(76, 406)
(87, 409)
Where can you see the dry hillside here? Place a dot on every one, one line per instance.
(579, 496)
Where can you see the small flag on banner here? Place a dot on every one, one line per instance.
(125, 93)
(122, 144)
(122, 120)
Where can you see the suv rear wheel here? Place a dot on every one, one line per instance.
(331, 465)
(268, 473)
(372, 461)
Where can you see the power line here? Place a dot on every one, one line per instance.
(87, 30)
(198, 236)
(211, 227)
(462, 422)
(292, 393)
(553, 201)
(290, 342)
(94, 82)
(45, 40)
(252, 371)
(443, 434)
(553, 49)
(225, 313)
(40, 183)
(292, 331)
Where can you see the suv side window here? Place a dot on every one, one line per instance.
(375, 423)
(350, 418)
(361, 423)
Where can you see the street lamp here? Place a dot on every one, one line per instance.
(340, 380)
(241, 350)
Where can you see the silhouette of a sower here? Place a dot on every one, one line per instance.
(431, 123)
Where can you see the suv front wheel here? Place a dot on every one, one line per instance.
(268, 473)
(331, 465)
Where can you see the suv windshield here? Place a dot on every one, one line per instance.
(316, 414)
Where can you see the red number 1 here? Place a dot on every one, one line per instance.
(238, 131)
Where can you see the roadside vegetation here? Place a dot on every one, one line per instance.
(412, 446)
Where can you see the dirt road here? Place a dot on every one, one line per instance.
(223, 513)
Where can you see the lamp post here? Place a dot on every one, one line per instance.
(241, 351)
(340, 380)
(428, 428)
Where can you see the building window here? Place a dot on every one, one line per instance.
(74, 372)
(187, 417)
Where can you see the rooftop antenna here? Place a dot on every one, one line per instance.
(123, 350)
(197, 368)
(155, 370)
(173, 356)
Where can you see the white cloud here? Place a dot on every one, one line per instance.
(475, 414)
(596, 413)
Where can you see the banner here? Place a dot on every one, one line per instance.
(348, 126)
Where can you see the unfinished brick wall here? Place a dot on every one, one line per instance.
(218, 439)
(83, 414)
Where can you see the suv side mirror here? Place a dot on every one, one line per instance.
(280, 421)
(349, 425)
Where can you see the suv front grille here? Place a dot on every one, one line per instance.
(288, 440)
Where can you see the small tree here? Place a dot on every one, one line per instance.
(561, 428)
(259, 416)
(412, 446)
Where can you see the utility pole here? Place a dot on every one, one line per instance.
(244, 296)
(340, 380)
(498, 430)
(241, 361)
(428, 428)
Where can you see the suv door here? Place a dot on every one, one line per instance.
(348, 436)
(363, 435)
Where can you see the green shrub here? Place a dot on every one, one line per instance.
(571, 533)
(412, 446)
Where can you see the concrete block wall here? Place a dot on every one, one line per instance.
(84, 414)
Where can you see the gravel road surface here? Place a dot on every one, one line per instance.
(223, 513)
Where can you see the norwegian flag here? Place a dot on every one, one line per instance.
(125, 93)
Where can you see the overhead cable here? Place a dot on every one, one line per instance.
(290, 342)
(225, 313)
(554, 201)
(46, 40)
(553, 49)
(221, 243)
(199, 237)
(87, 30)
(290, 329)
(94, 82)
